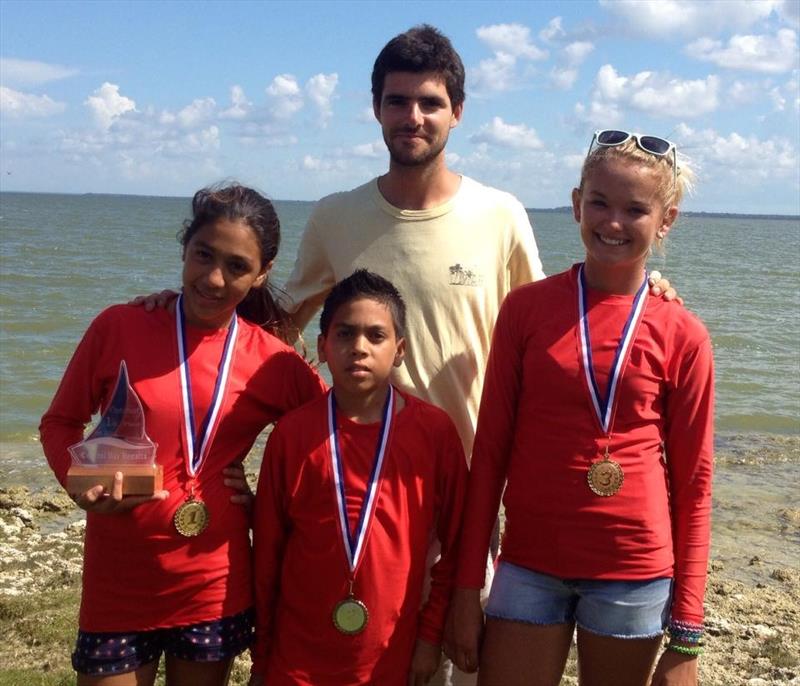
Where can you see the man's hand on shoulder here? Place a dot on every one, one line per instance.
(164, 299)
(661, 286)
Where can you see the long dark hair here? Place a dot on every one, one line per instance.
(235, 202)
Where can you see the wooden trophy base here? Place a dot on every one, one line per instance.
(138, 479)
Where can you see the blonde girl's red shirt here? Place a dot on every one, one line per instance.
(139, 572)
(537, 429)
(301, 572)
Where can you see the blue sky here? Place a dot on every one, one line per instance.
(161, 98)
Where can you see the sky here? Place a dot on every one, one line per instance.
(162, 98)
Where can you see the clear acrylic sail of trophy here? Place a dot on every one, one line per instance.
(117, 444)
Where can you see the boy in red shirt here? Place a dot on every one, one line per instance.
(352, 489)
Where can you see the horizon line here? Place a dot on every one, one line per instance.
(558, 209)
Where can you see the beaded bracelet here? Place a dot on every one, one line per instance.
(685, 632)
(685, 650)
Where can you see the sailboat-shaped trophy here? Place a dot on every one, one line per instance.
(117, 444)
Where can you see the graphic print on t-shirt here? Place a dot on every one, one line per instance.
(465, 275)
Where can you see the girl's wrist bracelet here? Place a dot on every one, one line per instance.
(685, 650)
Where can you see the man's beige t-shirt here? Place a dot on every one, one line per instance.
(453, 265)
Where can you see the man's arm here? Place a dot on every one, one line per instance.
(312, 276)
(524, 264)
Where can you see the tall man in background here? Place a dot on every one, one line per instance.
(453, 247)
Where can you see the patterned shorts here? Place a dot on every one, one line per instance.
(116, 653)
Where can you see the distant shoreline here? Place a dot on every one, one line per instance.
(543, 210)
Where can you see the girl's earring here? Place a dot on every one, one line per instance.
(660, 234)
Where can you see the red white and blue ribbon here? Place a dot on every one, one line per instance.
(199, 443)
(604, 407)
(354, 543)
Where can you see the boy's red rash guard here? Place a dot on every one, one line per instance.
(537, 428)
(139, 572)
(301, 571)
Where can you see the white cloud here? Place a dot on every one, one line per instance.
(497, 74)
(743, 92)
(374, 150)
(107, 105)
(766, 54)
(205, 140)
(789, 11)
(198, 112)
(367, 115)
(659, 95)
(17, 105)
(778, 101)
(511, 39)
(319, 164)
(499, 133)
(744, 157)
(268, 134)
(553, 31)
(563, 78)
(240, 107)
(792, 89)
(286, 96)
(30, 72)
(669, 18)
(510, 44)
(604, 114)
(575, 53)
(785, 97)
(283, 85)
(320, 89)
(676, 97)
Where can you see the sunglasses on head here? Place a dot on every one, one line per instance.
(660, 147)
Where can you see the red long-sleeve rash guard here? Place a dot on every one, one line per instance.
(537, 429)
(139, 572)
(301, 571)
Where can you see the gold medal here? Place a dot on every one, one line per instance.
(191, 518)
(605, 477)
(350, 616)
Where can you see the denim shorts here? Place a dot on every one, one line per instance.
(116, 653)
(621, 609)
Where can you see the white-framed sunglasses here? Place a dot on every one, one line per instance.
(660, 147)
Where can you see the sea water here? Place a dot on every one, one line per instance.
(65, 257)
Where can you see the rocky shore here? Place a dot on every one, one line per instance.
(753, 628)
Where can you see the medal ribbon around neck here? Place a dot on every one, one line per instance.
(604, 407)
(198, 444)
(354, 544)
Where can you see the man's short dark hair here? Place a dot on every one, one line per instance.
(364, 284)
(422, 48)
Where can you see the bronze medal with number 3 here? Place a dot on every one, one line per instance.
(605, 477)
(191, 518)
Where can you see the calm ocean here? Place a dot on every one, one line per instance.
(65, 257)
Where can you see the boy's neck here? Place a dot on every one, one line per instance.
(419, 188)
(365, 408)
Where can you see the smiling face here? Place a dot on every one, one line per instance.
(416, 116)
(221, 263)
(620, 212)
(361, 347)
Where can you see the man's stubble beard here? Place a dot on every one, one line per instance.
(410, 160)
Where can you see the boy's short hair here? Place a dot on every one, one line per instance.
(364, 284)
(420, 49)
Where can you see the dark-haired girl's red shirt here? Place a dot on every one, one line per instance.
(139, 572)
